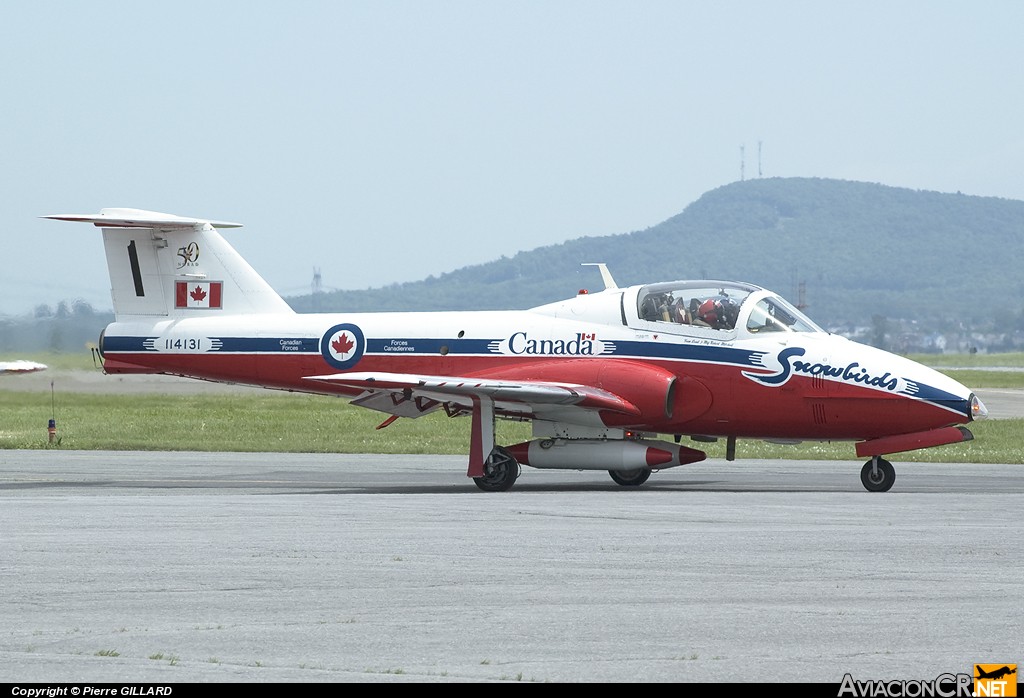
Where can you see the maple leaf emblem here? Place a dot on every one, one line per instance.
(198, 294)
(342, 345)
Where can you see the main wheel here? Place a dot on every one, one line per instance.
(500, 471)
(878, 479)
(630, 478)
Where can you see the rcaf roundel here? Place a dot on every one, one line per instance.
(342, 346)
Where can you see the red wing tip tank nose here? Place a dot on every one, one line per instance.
(598, 454)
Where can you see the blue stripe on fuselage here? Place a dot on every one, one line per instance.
(690, 352)
(263, 345)
(478, 347)
(127, 344)
(935, 396)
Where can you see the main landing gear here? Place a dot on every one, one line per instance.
(630, 478)
(877, 475)
(500, 471)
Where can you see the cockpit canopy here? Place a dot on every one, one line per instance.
(720, 305)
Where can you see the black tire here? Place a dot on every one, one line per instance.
(880, 481)
(630, 478)
(500, 472)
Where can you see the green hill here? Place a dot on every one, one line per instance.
(860, 250)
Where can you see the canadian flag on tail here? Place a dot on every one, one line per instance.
(198, 294)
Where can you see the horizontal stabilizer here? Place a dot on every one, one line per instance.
(137, 218)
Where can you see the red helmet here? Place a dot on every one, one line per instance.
(710, 311)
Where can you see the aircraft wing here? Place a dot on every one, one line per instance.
(412, 395)
(20, 367)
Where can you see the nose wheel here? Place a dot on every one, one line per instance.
(878, 475)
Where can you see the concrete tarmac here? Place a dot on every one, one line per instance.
(224, 567)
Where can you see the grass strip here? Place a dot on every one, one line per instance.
(297, 423)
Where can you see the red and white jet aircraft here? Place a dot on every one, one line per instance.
(600, 375)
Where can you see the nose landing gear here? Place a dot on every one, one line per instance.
(877, 475)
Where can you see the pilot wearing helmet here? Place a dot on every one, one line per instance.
(717, 313)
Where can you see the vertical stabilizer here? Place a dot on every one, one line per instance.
(163, 265)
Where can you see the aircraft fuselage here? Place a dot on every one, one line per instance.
(797, 386)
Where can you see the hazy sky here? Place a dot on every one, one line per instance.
(388, 141)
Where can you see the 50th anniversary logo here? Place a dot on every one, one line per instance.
(986, 681)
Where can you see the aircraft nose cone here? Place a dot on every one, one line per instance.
(978, 410)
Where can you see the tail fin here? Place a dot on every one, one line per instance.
(168, 266)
